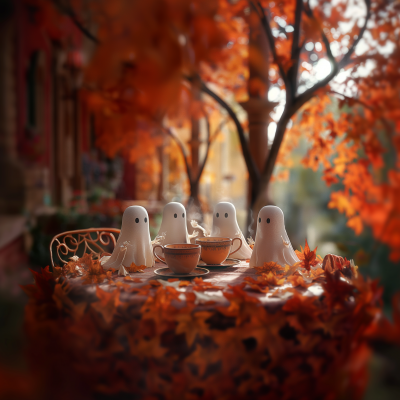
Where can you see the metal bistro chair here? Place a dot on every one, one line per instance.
(95, 241)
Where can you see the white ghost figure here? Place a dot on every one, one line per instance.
(173, 227)
(134, 243)
(225, 225)
(272, 242)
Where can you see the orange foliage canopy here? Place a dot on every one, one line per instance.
(337, 67)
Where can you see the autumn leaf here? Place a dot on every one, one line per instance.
(304, 312)
(133, 268)
(297, 280)
(255, 285)
(107, 303)
(109, 276)
(271, 279)
(154, 282)
(86, 260)
(76, 265)
(57, 272)
(202, 358)
(291, 269)
(307, 257)
(94, 272)
(134, 280)
(318, 273)
(192, 325)
(143, 348)
(269, 267)
(43, 288)
(200, 285)
(121, 285)
(64, 303)
(242, 305)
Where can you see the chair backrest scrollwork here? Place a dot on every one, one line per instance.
(94, 241)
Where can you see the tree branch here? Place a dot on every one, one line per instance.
(292, 107)
(352, 99)
(182, 149)
(347, 58)
(296, 49)
(365, 105)
(268, 31)
(207, 151)
(274, 151)
(68, 10)
(308, 94)
(218, 130)
(251, 166)
(210, 139)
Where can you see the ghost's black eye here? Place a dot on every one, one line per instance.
(175, 215)
(268, 220)
(259, 219)
(183, 215)
(217, 215)
(137, 220)
(145, 220)
(226, 215)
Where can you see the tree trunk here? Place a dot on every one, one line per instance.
(194, 205)
(262, 199)
(258, 108)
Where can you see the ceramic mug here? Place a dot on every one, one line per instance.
(181, 258)
(215, 250)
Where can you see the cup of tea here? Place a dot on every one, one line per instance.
(215, 250)
(180, 258)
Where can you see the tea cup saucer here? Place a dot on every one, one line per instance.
(229, 262)
(168, 273)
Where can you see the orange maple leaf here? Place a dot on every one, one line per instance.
(193, 324)
(86, 260)
(307, 257)
(130, 279)
(297, 280)
(243, 306)
(255, 285)
(64, 303)
(107, 303)
(94, 271)
(135, 268)
(71, 268)
(317, 273)
(57, 271)
(201, 286)
(269, 267)
(270, 279)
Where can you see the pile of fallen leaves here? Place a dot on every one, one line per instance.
(167, 346)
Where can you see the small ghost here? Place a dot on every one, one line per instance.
(134, 243)
(225, 225)
(272, 242)
(173, 227)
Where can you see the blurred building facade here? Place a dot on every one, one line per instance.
(45, 128)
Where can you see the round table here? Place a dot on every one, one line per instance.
(233, 334)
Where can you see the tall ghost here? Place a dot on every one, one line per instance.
(173, 227)
(272, 242)
(134, 240)
(225, 225)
